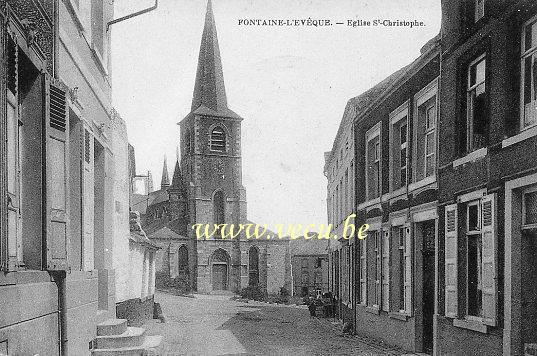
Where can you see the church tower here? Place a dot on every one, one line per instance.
(211, 166)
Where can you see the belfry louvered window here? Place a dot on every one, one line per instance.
(218, 139)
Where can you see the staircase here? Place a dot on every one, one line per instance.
(115, 338)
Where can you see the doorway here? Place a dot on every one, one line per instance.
(219, 270)
(219, 277)
(529, 285)
(427, 231)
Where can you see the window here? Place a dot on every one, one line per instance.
(477, 121)
(182, 260)
(253, 266)
(305, 279)
(481, 265)
(373, 154)
(218, 139)
(529, 74)
(363, 271)
(378, 268)
(318, 262)
(219, 210)
(189, 144)
(400, 235)
(304, 263)
(529, 208)
(474, 248)
(424, 143)
(399, 147)
(386, 271)
(318, 279)
(429, 112)
(479, 9)
(36, 144)
(403, 276)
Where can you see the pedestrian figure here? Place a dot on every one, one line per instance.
(312, 307)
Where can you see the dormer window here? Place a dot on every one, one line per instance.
(218, 139)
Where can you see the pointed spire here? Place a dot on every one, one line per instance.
(177, 179)
(209, 89)
(165, 181)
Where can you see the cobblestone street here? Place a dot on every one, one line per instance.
(215, 325)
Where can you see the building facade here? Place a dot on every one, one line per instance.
(63, 204)
(396, 145)
(487, 176)
(309, 263)
(446, 181)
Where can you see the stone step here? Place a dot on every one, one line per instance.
(112, 327)
(146, 349)
(132, 337)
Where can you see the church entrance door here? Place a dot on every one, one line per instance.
(219, 276)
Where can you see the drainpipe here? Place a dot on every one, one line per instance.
(138, 13)
(59, 278)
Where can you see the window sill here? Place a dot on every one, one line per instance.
(398, 316)
(24, 277)
(396, 193)
(422, 183)
(372, 310)
(470, 157)
(473, 325)
(523, 135)
(369, 203)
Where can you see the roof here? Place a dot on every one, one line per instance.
(165, 233)
(141, 239)
(359, 103)
(158, 196)
(209, 97)
(313, 246)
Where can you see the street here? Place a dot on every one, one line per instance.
(216, 325)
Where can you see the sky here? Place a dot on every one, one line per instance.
(290, 84)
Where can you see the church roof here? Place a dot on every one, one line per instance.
(209, 97)
(165, 233)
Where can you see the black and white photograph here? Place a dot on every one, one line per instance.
(268, 178)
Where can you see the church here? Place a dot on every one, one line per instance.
(206, 188)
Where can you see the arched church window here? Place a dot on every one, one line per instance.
(188, 142)
(218, 139)
(219, 208)
(253, 266)
(182, 260)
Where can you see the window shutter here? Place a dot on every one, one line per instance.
(451, 251)
(88, 192)
(57, 176)
(386, 271)
(488, 262)
(3, 163)
(408, 269)
(363, 271)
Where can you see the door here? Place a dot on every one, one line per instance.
(219, 277)
(529, 285)
(428, 252)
